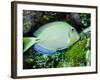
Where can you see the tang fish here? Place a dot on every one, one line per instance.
(52, 37)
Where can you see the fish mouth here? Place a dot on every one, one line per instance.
(73, 40)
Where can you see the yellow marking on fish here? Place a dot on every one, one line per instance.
(73, 40)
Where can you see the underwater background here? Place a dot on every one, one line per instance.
(79, 54)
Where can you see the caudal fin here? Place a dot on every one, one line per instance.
(28, 42)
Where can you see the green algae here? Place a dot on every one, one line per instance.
(75, 55)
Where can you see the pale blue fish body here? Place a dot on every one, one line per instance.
(54, 36)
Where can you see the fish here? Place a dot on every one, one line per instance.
(52, 37)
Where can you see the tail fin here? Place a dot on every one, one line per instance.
(28, 42)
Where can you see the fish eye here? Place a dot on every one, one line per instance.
(72, 29)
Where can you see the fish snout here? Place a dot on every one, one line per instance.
(74, 39)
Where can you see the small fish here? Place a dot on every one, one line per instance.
(52, 37)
